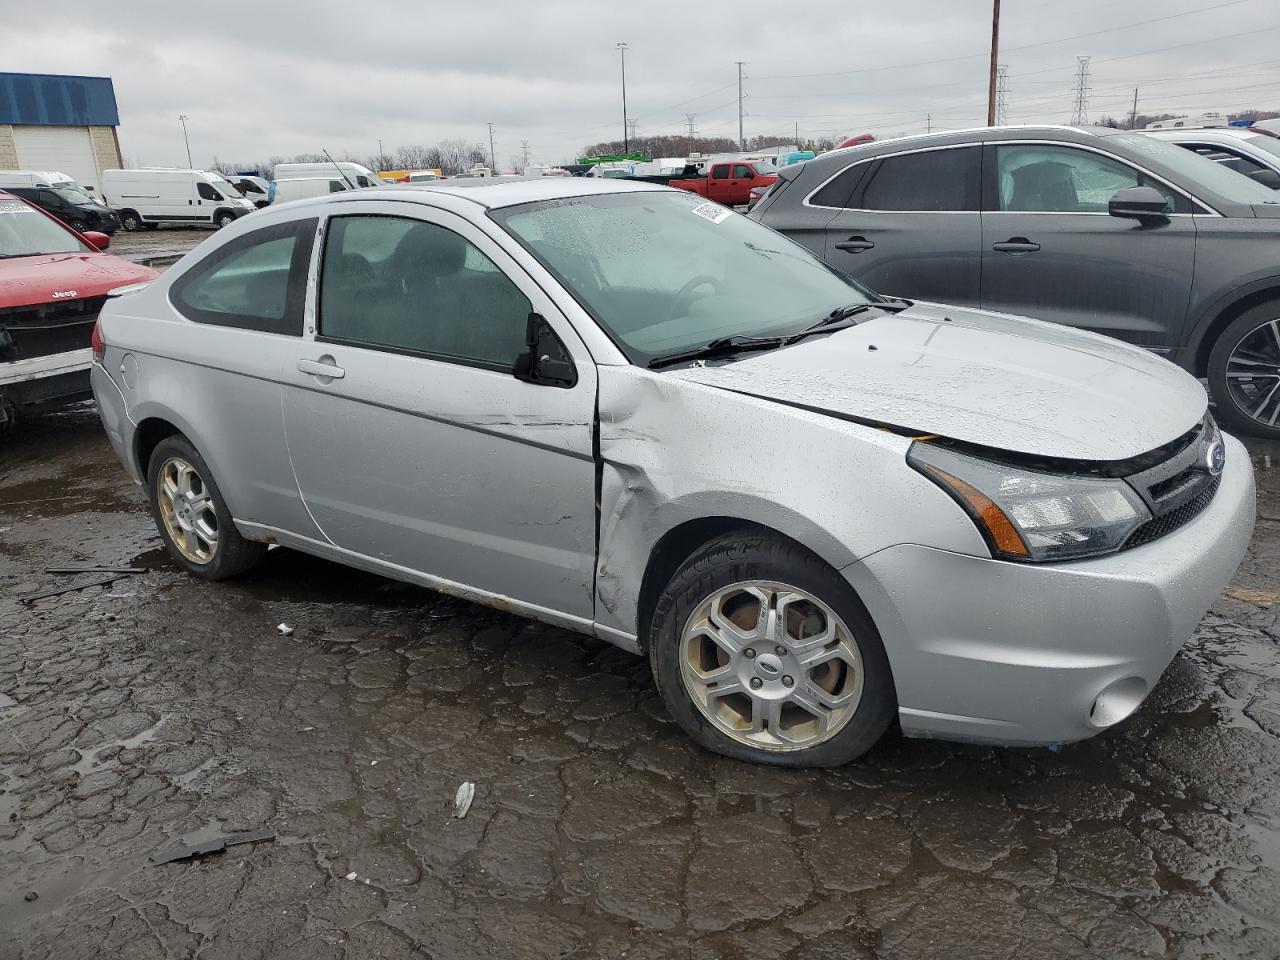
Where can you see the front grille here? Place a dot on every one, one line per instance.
(49, 328)
(1161, 526)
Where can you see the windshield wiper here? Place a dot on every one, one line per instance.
(847, 312)
(721, 346)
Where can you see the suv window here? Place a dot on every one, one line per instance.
(207, 192)
(947, 179)
(838, 191)
(1049, 179)
(256, 282)
(392, 283)
(1228, 158)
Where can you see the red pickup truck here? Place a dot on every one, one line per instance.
(731, 183)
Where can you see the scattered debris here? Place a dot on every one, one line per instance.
(101, 582)
(31, 895)
(352, 875)
(305, 729)
(214, 845)
(284, 629)
(462, 800)
(373, 763)
(66, 570)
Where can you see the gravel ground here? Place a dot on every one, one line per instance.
(160, 708)
(159, 247)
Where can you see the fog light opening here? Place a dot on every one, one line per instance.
(1117, 701)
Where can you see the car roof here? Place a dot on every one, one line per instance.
(493, 192)
(974, 134)
(1236, 133)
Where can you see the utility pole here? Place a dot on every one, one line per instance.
(1080, 114)
(626, 139)
(995, 53)
(1133, 117)
(524, 147)
(382, 163)
(689, 117)
(742, 143)
(797, 134)
(928, 120)
(1002, 91)
(493, 166)
(184, 118)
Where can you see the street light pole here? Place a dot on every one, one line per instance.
(995, 53)
(626, 139)
(493, 166)
(382, 163)
(184, 118)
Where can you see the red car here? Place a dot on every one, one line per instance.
(731, 183)
(53, 282)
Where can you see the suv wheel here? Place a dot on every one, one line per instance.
(79, 226)
(192, 517)
(130, 221)
(763, 653)
(1244, 372)
(225, 220)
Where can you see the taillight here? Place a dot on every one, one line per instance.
(96, 341)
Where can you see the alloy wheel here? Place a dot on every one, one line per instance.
(771, 666)
(187, 510)
(1253, 373)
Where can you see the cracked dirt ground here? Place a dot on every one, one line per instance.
(160, 706)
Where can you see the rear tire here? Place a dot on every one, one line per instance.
(130, 221)
(191, 515)
(1244, 372)
(762, 652)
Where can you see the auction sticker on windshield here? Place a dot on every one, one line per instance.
(712, 211)
(15, 206)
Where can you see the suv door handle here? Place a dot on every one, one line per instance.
(1016, 245)
(855, 244)
(325, 368)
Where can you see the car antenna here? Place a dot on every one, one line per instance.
(342, 173)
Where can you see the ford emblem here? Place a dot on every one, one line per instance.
(1215, 457)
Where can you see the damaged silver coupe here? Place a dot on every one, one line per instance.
(625, 410)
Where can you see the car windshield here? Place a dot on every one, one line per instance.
(72, 195)
(1266, 144)
(228, 188)
(25, 232)
(666, 271)
(1195, 170)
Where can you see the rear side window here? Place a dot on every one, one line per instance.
(256, 282)
(742, 171)
(933, 180)
(838, 191)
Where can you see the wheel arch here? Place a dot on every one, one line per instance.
(679, 543)
(1224, 314)
(147, 436)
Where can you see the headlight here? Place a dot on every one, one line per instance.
(1032, 516)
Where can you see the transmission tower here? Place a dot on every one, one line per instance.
(1080, 115)
(689, 118)
(524, 148)
(631, 128)
(1002, 91)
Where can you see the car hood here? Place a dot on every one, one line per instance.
(30, 281)
(1000, 381)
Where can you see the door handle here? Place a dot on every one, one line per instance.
(1016, 245)
(325, 368)
(855, 244)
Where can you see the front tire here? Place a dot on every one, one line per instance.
(79, 226)
(762, 652)
(130, 221)
(191, 515)
(1244, 372)
(225, 220)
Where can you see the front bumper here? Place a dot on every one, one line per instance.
(991, 651)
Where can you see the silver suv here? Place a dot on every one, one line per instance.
(1102, 229)
(627, 411)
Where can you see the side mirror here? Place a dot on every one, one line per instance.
(545, 360)
(1147, 205)
(99, 241)
(1268, 178)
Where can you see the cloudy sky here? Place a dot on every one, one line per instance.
(286, 77)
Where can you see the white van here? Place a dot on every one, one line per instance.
(358, 174)
(151, 196)
(1210, 118)
(282, 191)
(254, 188)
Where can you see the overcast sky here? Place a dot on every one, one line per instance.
(281, 77)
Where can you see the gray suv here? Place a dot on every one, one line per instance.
(1108, 230)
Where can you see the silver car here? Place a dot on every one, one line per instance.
(621, 409)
